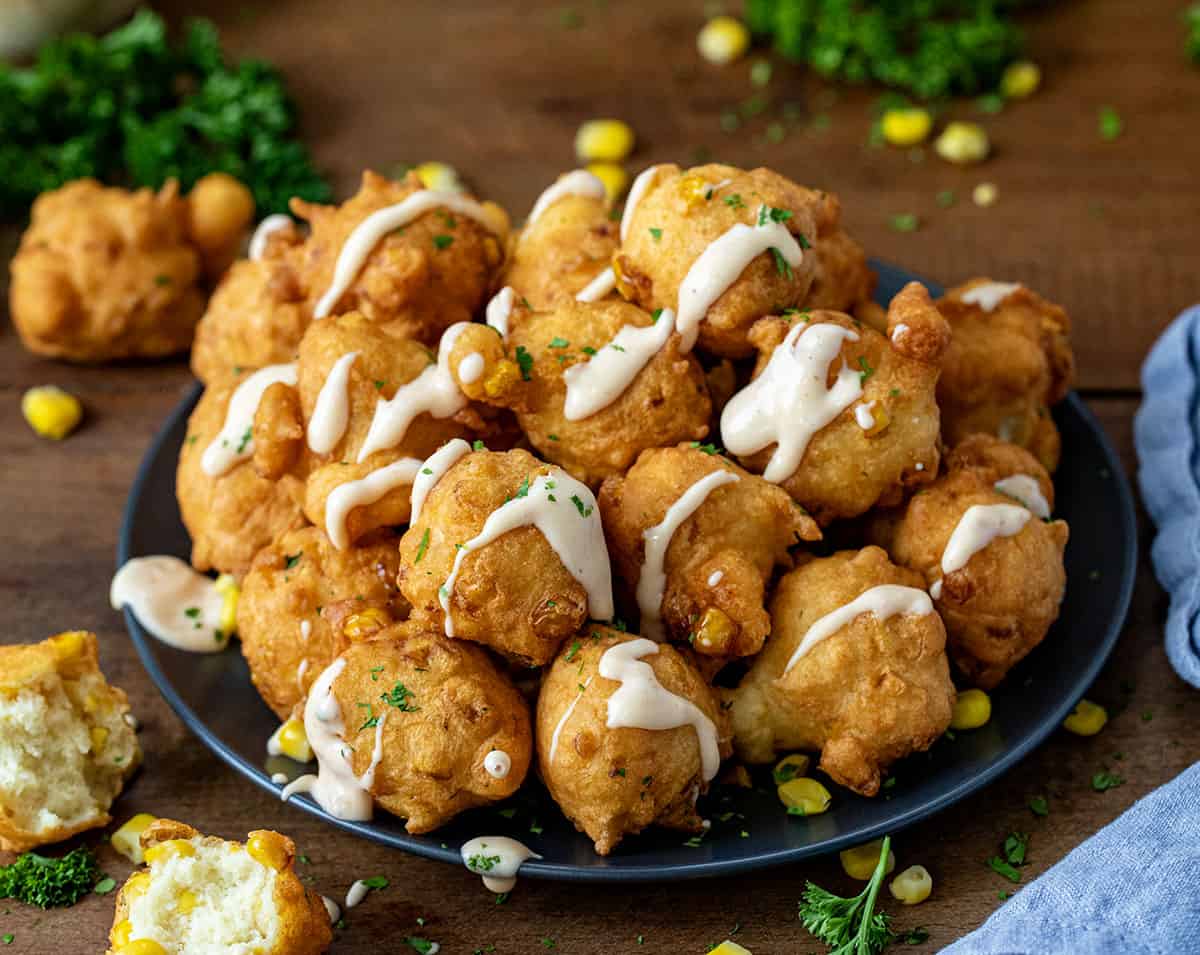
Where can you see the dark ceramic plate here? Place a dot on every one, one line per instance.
(213, 695)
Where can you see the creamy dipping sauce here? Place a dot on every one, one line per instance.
(235, 441)
(346, 497)
(598, 287)
(332, 411)
(1027, 491)
(595, 384)
(978, 527)
(565, 512)
(499, 309)
(652, 580)
(497, 859)
(579, 182)
(432, 471)
(497, 764)
(641, 702)
(641, 185)
(883, 601)
(789, 403)
(174, 603)
(433, 392)
(366, 235)
(258, 241)
(990, 294)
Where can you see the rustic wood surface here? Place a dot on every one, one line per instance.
(1106, 228)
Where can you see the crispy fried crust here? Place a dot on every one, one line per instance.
(554, 259)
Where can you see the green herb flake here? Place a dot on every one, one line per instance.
(585, 510)
(781, 264)
(572, 651)
(192, 613)
(400, 697)
(525, 362)
(443, 241)
(946, 198)
(760, 73)
(244, 442)
(1104, 781)
(656, 234)
(422, 546)
(105, 885)
(478, 445)
(1038, 806)
(867, 370)
(735, 201)
(1004, 868)
(422, 945)
(375, 882)
(291, 560)
(905, 222)
(1110, 123)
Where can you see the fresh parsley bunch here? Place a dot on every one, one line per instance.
(131, 108)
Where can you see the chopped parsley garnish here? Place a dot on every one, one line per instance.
(49, 883)
(552, 437)
(375, 671)
(525, 362)
(867, 370)
(557, 342)
(375, 882)
(379, 384)
(852, 925)
(161, 280)
(422, 547)
(245, 440)
(192, 613)
(481, 863)
(523, 488)
(422, 945)
(655, 315)
(706, 448)
(443, 241)
(1038, 806)
(656, 234)
(735, 201)
(1111, 124)
(400, 697)
(372, 720)
(773, 214)
(1003, 868)
(1103, 781)
(946, 198)
(781, 263)
(904, 222)
(572, 651)
(478, 445)
(588, 350)
(105, 885)
(615, 346)
(585, 510)
(291, 560)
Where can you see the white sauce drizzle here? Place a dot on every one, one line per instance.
(497, 859)
(366, 234)
(331, 908)
(595, 384)
(562, 721)
(863, 415)
(652, 580)
(432, 471)
(258, 241)
(174, 603)
(470, 368)
(235, 440)
(990, 294)
(279, 779)
(498, 764)
(598, 287)
(641, 185)
(346, 497)
(715, 577)
(300, 671)
(883, 601)
(899, 331)
(978, 527)
(789, 403)
(332, 411)
(499, 309)
(641, 702)
(358, 892)
(1025, 489)
(434, 391)
(719, 265)
(579, 182)
(305, 629)
(572, 530)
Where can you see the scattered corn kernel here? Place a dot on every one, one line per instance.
(603, 140)
(67, 645)
(962, 142)
(127, 839)
(186, 902)
(614, 177)
(227, 587)
(913, 885)
(1087, 719)
(120, 933)
(985, 194)
(790, 767)
(99, 736)
(267, 849)
(142, 946)
(972, 709)
(365, 622)
(292, 741)
(51, 412)
(172, 847)
(804, 795)
(439, 175)
(715, 632)
(1020, 79)
(729, 948)
(723, 40)
(906, 127)
(859, 862)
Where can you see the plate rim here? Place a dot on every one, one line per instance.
(567, 872)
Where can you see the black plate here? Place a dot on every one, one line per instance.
(213, 695)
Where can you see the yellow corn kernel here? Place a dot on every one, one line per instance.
(227, 587)
(859, 862)
(723, 40)
(1020, 79)
(292, 741)
(127, 839)
(1087, 719)
(603, 140)
(503, 376)
(51, 412)
(136, 885)
(99, 735)
(804, 796)
(693, 190)
(790, 767)
(268, 849)
(972, 709)
(729, 948)
(963, 143)
(186, 902)
(913, 885)
(365, 622)
(164, 850)
(906, 127)
(120, 934)
(880, 419)
(142, 946)
(985, 194)
(716, 631)
(624, 288)
(614, 177)
(439, 175)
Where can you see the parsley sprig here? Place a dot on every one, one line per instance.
(850, 926)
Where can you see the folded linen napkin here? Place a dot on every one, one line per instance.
(1131, 889)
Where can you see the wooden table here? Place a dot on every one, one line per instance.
(1109, 229)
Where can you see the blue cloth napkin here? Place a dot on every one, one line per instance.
(1166, 433)
(1131, 889)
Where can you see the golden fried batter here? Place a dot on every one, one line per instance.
(612, 782)
(442, 706)
(513, 594)
(872, 691)
(290, 599)
(842, 281)
(683, 212)
(665, 403)
(998, 606)
(719, 561)
(231, 516)
(884, 443)
(1005, 366)
(420, 279)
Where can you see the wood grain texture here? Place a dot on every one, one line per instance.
(1106, 228)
